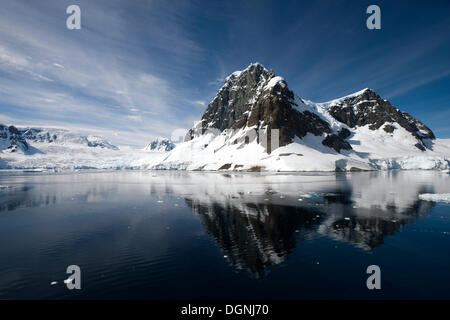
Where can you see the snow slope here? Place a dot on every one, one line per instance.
(77, 157)
(58, 149)
(210, 152)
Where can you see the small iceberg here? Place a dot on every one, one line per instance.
(34, 170)
(310, 195)
(437, 197)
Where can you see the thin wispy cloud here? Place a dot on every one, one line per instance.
(199, 103)
(85, 77)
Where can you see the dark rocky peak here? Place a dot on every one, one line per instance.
(368, 108)
(12, 139)
(256, 98)
(160, 145)
(236, 96)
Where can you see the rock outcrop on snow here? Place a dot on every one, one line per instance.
(12, 140)
(160, 145)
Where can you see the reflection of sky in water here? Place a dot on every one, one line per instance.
(134, 231)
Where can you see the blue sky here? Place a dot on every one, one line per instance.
(140, 69)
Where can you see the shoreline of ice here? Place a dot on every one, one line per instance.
(435, 197)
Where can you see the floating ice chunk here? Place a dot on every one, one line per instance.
(310, 195)
(438, 197)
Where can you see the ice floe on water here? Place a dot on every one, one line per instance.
(441, 197)
(310, 195)
(2, 187)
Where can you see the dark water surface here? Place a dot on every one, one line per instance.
(179, 235)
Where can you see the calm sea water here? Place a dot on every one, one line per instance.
(180, 235)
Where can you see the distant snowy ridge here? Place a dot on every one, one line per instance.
(45, 148)
(14, 139)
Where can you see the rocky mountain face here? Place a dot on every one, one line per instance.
(256, 98)
(160, 145)
(368, 108)
(14, 139)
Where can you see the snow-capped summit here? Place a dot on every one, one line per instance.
(160, 145)
(367, 108)
(255, 98)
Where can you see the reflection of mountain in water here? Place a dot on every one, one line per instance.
(257, 231)
(256, 239)
(366, 228)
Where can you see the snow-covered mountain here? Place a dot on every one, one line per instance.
(42, 148)
(255, 122)
(14, 139)
(160, 145)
